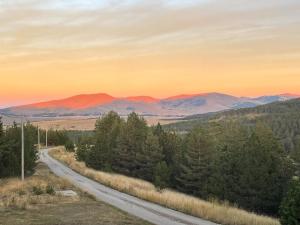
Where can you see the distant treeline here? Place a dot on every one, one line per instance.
(228, 161)
(282, 117)
(57, 138)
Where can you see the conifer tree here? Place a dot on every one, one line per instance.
(264, 172)
(171, 144)
(290, 206)
(131, 142)
(107, 132)
(161, 175)
(1, 128)
(148, 158)
(195, 169)
(10, 150)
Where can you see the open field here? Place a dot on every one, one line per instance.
(85, 123)
(213, 211)
(29, 203)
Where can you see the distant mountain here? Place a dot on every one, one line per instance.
(181, 105)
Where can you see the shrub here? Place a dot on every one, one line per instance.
(50, 190)
(37, 190)
(70, 146)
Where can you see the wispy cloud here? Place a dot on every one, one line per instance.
(35, 26)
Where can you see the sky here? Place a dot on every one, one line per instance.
(51, 49)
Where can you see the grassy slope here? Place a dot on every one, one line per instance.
(212, 211)
(20, 206)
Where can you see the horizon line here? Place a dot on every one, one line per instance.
(131, 96)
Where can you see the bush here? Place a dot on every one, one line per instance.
(290, 207)
(37, 190)
(70, 146)
(50, 190)
(82, 152)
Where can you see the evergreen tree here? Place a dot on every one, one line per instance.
(107, 132)
(195, 169)
(296, 156)
(10, 150)
(131, 142)
(264, 171)
(148, 158)
(171, 144)
(161, 175)
(290, 206)
(84, 147)
(1, 128)
(225, 175)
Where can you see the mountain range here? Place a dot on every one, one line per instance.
(181, 105)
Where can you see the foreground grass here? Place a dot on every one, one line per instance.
(37, 189)
(212, 211)
(29, 203)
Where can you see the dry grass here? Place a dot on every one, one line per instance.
(212, 211)
(87, 124)
(23, 195)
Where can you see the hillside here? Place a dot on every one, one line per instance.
(181, 105)
(282, 117)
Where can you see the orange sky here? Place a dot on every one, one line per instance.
(50, 49)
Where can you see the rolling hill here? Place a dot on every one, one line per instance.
(282, 117)
(181, 105)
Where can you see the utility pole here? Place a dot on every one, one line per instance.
(22, 150)
(46, 138)
(39, 143)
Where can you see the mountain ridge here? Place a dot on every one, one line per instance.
(179, 105)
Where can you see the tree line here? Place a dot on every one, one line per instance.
(229, 162)
(282, 117)
(10, 147)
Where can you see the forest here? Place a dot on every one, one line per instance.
(10, 150)
(244, 165)
(10, 147)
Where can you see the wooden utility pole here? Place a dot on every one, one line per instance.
(46, 138)
(22, 157)
(39, 143)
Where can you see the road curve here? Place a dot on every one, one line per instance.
(150, 212)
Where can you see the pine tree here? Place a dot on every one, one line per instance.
(195, 169)
(1, 128)
(296, 156)
(107, 132)
(171, 144)
(148, 158)
(231, 142)
(264, 171)
(290, 206)
(10, 150)
(85, 144)
(131, 142)
(161, 175)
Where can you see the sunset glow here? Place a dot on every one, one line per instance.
(50, 49)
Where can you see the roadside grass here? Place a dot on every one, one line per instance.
(214, 211)
(37, 189)
(34, 202)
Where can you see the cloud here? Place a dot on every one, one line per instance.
(104, 29)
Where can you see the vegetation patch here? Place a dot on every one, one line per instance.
(215, 211)
(33, 191)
